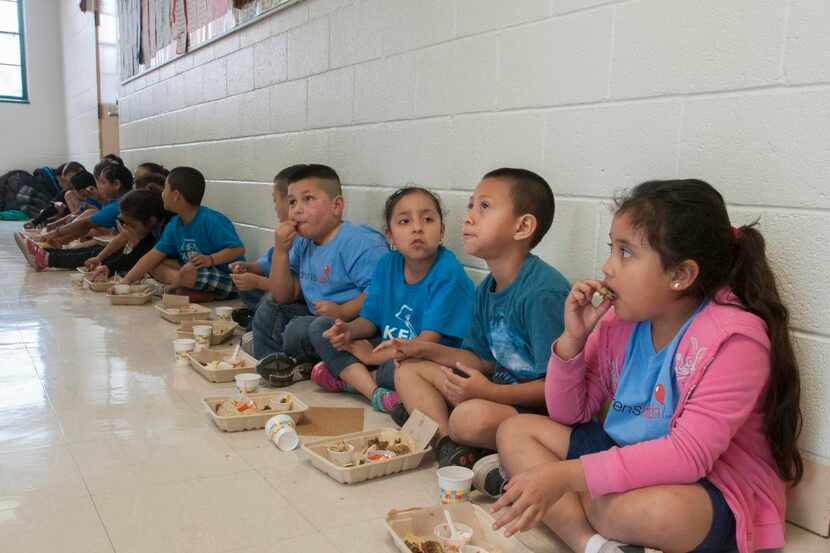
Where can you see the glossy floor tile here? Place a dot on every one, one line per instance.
(105, 446)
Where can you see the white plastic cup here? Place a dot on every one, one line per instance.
(341, 458)
(202, 334)
(282, 430)
(454, 484)
(224, 313)
(77, 280)
(181, 347)
(463, 537)
(247, 383)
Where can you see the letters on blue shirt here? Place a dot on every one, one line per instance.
(442, 301)
(515, 327)
(340, 269)
(208, 233)
(107, 215)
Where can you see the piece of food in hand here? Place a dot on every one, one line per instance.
(601, 295)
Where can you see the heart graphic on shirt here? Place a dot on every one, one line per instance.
(660, 394)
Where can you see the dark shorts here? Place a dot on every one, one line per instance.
(591, 438)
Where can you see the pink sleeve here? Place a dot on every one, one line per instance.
(574, 390)
(722, 402)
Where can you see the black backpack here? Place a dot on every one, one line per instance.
(10, 185)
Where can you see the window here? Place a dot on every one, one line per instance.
(12, 54)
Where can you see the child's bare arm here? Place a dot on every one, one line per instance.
(147, 263)
(437, 353)
(218, 258)
(346, 311)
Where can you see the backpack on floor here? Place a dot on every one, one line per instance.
(39, 192)
(10, 185)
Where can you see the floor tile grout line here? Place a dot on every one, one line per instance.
(91, 499)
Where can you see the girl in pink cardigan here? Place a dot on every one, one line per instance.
(692, 356)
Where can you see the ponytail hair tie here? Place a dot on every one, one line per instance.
(736, 233)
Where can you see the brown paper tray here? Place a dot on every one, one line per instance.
(421, 522)
(420, 427)
(254, 421)
(199, 360)
(139, 295)
(171, 304)
(99, 286)
(222, 330)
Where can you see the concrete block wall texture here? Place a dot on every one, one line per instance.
(596, 95)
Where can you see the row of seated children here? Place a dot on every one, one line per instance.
(689, 350)
(694, 364)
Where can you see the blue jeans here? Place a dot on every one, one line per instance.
(336, 360)
(283, 328)
(251, 298)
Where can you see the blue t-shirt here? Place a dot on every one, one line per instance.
(91, 202)
(340, 269)
(208, 233)
(515, 327)
(265, 260)
(441, 301)
(107, 215)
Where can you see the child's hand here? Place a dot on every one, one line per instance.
(327, 309)
(100, 273)
(580, 317)
(461, 388)
(238, 268)
(284, 235)
(404, 349)
(531, 493)
(200, 260)
(244, 281)
(28, 225)
(339, 335)
(92, 263)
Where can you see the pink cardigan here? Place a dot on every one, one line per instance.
(722, 367)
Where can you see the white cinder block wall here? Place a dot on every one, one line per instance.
(595, 95)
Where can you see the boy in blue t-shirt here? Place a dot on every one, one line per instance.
(321, 266)
(203, 240)
(499, 370)
(251, 278)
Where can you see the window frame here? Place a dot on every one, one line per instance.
(24, 89)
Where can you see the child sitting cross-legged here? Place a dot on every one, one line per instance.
(498, 371)
(203, 240)
(419, 291)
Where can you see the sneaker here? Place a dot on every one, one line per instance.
(488, 477)
(247, 343)
(41, 259)
(617, 547)
(450, 453)
(243, 316)
(321, 375)
(399, 414)
(302, 370)
(385, 400)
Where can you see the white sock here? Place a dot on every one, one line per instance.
(595, 543)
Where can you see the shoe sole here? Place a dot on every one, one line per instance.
(482, 468)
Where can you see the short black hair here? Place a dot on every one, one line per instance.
(99, 167)
(154, 168)
(82, 180)
(115, 172)
(328, 177)
(115, 158)
(72, 167)
(141, 205)
(190, 182)
(140, 183)
(531, 194)
(283, 178)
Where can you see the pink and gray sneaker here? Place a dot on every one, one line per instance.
(321, 375)
(384, 400)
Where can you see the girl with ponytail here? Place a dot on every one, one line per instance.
(690, 349)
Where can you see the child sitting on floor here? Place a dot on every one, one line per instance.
(203, 240)
(499, 369)
(419, 291)
(321, 266)
(691, 347)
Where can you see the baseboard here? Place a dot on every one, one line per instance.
(808, 504)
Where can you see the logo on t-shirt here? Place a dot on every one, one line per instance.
(324, 278)
(406, 332)
(189, 249)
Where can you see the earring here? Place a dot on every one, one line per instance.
(675, 285)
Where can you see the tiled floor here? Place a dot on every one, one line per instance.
(104, 446)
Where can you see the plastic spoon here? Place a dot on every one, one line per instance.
(450, 525)
(236, 353)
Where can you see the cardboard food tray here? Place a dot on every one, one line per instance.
(420, 427)
(99, 285)
(104, 239)
(421, 523)
(83, 270)
(171, 303)
(200, 359)
(222, 330)
(254, 421)
(139, 295)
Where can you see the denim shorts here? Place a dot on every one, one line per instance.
(591, 438)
